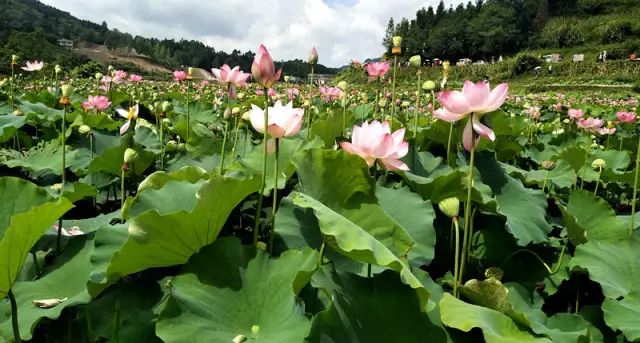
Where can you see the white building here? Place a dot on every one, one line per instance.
(66, 43)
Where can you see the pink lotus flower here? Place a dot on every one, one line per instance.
(590, 124)
(135, 78)
(575, 113)
(130, 115)
(179, 75)
(313, 56)
(377, 70)
(263, 69)
(231, 78)
(271, 92)
(626, 117)
(607, 131)
(330, 93)
(34, 66)
(98, 103)
(282, 121)
(259, 92)
(119, 76)
(534, 112)
(292, 93)
(478, 99)
(376, 142)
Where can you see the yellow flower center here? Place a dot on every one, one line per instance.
(132, 113)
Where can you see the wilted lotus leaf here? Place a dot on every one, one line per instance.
(48, 303)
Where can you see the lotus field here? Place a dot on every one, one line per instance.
(250, 209)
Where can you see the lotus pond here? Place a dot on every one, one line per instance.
(185, 211)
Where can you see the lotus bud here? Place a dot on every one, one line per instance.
(305, 103)
(3, 82)
(246, 115)
(599, 164)
(240, 339)
(235, 110)
(429, 85)
(343, 85)
(382, 103)
(415, 61)
(241, 95)
(405, 104)
(84, 129)
(190, 71)
(99, 76)
(227, 113)
(255, 329)
(57, 69)
(450, 207)
(397, 41)
(110, 69)
(313, 56)
(548, 165)
(286, 78)
(130, 155)
(181, 147)
(364, 96)
(14, 59)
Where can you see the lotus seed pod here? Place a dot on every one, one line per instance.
(130, 155)
(382, 103)
(415, 60)
(599, 164)
(450, 207)
(14, 59)
(166, 106)
(405, 104)
(84, 129)
(364, 96)
(67, 90)
(235, 110)
(261, 246)
(397, 41)
(172, 145)
(286, 78)
(446, 65)
(99, 76)
(342, 85)
(305, 103)
(181, 147)
(191, 71)
(429, 85)
(241, 95)
(110, 69)
(548, 165)
(57, 69)
(166, 121)
(246, 115)
(240, 339)
(494, 273)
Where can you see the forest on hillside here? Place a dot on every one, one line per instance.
(487, 29)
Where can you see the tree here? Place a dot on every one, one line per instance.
(387, 42)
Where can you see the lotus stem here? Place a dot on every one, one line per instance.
(122, 194)
(310, 115)
(393, 90)
(544, 183)
(344, 118)
(161, 145)
(449, 145)
(14, 317)
(35, 263)
(13, 80)
(456, 263)
(321, 255)
(595, 191)
(256, 229)
(274, 208)
(635, 192)
(186, 141)
(467, 205)
(224, 145)
(415, 114)
(235, 138)
(546, 266)
(586, 160)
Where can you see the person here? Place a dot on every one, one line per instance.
(550, 69)
(604, 56)
(500, 59)
(633, 56)
(599, 60)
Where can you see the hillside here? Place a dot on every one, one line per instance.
(488, 29)
(44, 25)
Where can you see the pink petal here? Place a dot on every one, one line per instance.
(256, 117)
(467, 136)
(125, 127)
(497, 97)
(447, 116)
(476, 94)
(482, 129)
(455, 102)
(394, 164)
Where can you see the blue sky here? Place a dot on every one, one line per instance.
(340, 29)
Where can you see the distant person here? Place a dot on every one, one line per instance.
(538, 69)
(633, 56)
(604, 56)
(550, 69)
(599, 59)
(500, 59)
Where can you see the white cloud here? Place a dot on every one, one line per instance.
(344, 30)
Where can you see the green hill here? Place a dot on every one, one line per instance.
(41, 26)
